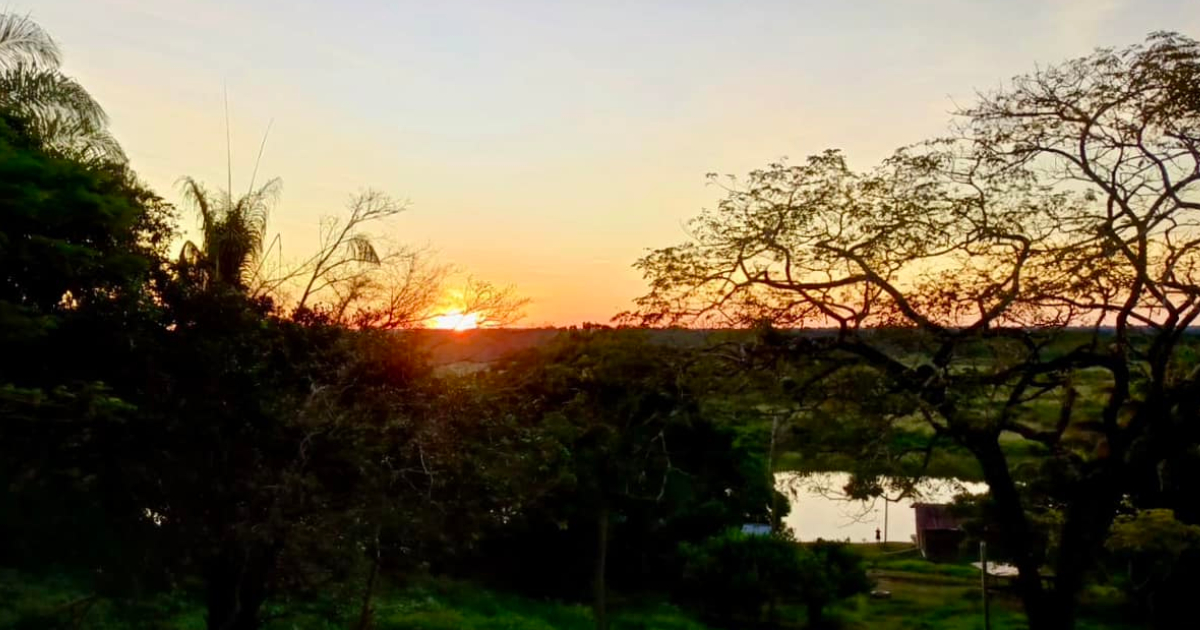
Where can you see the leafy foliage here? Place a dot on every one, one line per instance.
(1162, 555)
(71, 235)
(832, 572)
(627, 467)
(81, 248)
(734, 576)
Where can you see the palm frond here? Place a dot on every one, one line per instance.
(255, 207)
(190, 255)
(44, 93)
(234, 251)
(360, 249)
(23, 42)
(233, 231)
(195, 194)
(64, 116)
(78, 140)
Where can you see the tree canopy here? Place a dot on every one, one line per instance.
(1065, 200)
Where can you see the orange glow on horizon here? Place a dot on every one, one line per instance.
(456, 320)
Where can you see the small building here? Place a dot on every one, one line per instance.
(939, 533)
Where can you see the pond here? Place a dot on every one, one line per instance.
(820, 509)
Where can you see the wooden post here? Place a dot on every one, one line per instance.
(886, 501)
(771, 475)
(983, 578)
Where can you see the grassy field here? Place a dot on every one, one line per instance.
(1091, 387)
(926, 595)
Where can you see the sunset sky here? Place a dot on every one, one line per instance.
(548, 144)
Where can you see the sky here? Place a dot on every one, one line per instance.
(547, 144)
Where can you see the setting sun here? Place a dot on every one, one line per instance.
(455, 320)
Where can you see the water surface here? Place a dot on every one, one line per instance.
(820, 509)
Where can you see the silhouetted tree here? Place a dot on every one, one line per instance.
(1068, 198)
(627, 460)
(232, 232)
(81, 248)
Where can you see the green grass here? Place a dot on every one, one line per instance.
(925, 596)
(28, 603)
(923, 567)
(919, 605)
(450, 605)
(55, 601)
(942, 596)
(950, 604)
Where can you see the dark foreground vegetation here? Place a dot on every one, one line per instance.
(192, 438)
(923, 595)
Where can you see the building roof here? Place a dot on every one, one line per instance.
(756, 529)
(935, 516)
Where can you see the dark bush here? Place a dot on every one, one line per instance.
(1161, 555)
(831, 572)
(734, 576)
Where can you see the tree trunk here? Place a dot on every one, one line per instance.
(237, 588)
(1090, 514)
(1016, 533)
(816, 615)
(364, 618)
(600, 603)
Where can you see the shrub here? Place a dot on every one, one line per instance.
(735, 575)
(1162, 555)
(832, 572)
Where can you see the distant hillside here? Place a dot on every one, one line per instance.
(473, 349)
(483, 346)
(449, 347)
